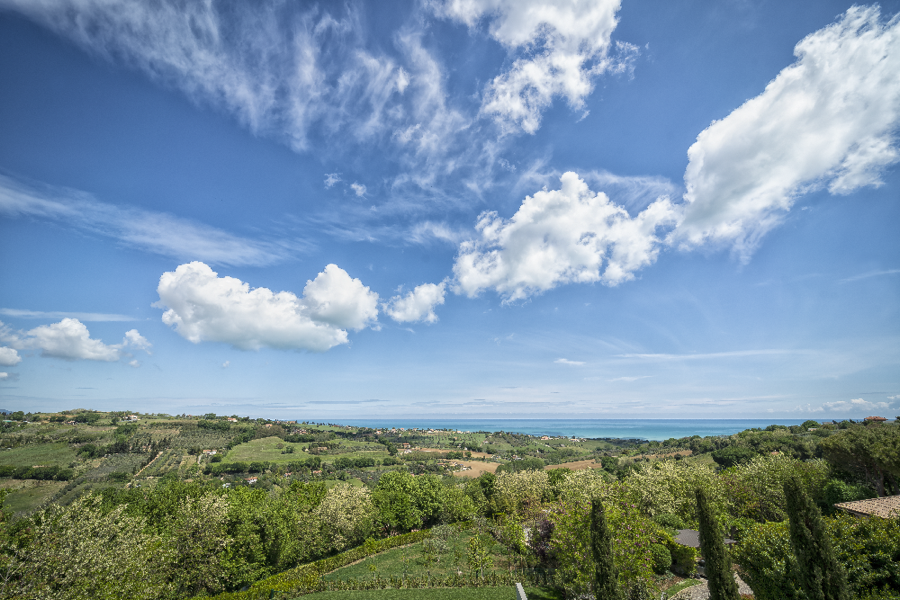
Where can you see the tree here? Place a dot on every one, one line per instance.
(722, 585)
(869, 452)
(821, 575)
(606, 585)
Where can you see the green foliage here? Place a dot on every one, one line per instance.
(478, 555)
(722, 585)
(871, 453)
(606, 584)
(405, 502)
(684, 558)
(821, 576)
(80, 551)
(670, 521)
(662, 558)
(526, 464)
(869, 550)
(733, 455)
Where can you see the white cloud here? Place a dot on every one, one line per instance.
(560, 46)
(331, 179)
(417, 305)
(205, 307)
(855, 405)
(9, 357)
(428, 231)
(135, 339)
(135, 363)
(226, 364)
(557, 237)
(334, 297)
(358, 188)
(70, 339)
(870, 274)
(830, 119)
(155, 232)
(280, 68)
(55, 314)
(566, 361)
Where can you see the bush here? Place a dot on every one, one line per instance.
(662, 558)
(670, 520)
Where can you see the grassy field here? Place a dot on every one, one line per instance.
(29, 494)
(485, 593)
(59, 454)
(266, 449)
(411, 561)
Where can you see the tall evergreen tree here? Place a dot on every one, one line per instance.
(719, 576)
(822, 577)
(606, 584)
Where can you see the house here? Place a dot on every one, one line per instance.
(231, 420)
(545, 437)
(404, 445)
(874, 419)
(209, 452)
(887, 507)
(268, 424)
(252, 480)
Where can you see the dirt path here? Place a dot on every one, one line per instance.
(148, 464)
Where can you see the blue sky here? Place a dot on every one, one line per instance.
(461, 208)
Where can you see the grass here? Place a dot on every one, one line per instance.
(266, 449)
(485, 593)
(411, 560)
(27, 498)
(671, 591)
(58, 454)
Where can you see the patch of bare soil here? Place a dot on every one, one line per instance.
(475, 468)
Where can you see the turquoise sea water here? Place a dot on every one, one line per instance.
(648, 429)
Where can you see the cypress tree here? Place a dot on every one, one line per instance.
(719, 577)
(821, 575)
(606, 584)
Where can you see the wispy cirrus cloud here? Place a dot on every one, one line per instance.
(869, 275)
(712, 355)
(571, 363)
(55, 314)
(156, 232)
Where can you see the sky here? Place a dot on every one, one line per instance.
(451, 208)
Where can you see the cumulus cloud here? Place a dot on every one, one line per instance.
(70, 339)
(560, 47)
(155, 232)
(570, 235)
(830, 119)
(9, 357)
(416, 305)
(358, 188)
(202, 306)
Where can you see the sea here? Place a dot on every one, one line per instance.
(645, 429)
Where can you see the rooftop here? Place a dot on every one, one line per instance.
(691, 537)
(886, 507)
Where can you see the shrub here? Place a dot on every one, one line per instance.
(662, 558)
(671, 521)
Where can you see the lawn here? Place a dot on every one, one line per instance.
(51, 455)
(411, 560)
(30, 495)
(485, 593)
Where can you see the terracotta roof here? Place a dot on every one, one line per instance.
(886, 507)
(874, 419)
(691, 537)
